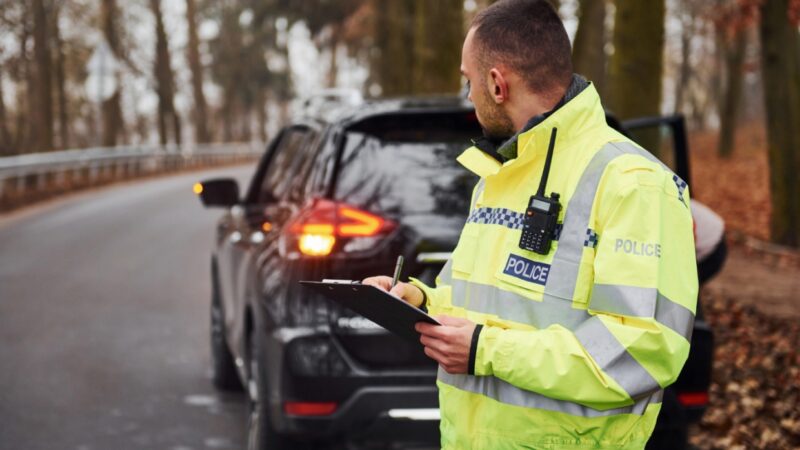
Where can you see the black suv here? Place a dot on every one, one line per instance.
(340, 194)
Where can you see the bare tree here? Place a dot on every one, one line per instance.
(780, 59)
(25, 126)
(5, 136)
(167, 115)
(635, 68)
(43, 133)
(729, 106)
(111, 108)
(687, 21)
(393, 38)
(438, 34)
(589, 48)
(200, 115)
(61, 94)
(420, 38)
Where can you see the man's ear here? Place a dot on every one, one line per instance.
(498, 86)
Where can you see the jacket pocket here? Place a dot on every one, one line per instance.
(465, 251)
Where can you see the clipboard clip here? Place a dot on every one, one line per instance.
(334, 281)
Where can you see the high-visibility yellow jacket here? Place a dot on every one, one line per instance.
(574, 348)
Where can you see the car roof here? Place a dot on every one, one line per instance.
(348, 113)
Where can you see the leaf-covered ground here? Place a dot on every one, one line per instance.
(753, 306)
(755, 396)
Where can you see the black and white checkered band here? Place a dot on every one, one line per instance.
(497, 216)
(681, 185)
(504, 217)
(591, 238)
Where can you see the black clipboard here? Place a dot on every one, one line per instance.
(377, 305)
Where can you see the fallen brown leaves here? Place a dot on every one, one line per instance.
(755, 394)
(736, 188)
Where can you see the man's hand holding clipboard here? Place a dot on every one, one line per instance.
(448, 344)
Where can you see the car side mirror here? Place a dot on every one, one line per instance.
(218, 192)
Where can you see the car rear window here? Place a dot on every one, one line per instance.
(406, 164)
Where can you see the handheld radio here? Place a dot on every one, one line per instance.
(541, 217)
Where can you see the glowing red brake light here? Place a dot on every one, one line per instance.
(360, 223)
(318, 228)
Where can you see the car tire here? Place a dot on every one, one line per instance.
(223, 369)
(261, 434)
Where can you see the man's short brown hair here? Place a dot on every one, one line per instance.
(529, 38)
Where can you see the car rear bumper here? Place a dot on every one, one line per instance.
(375, 413)
(388, 404)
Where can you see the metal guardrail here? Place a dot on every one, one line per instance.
(28, 177)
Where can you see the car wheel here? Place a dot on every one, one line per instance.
(261, 435)
(223, 368)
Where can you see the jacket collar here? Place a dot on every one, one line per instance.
(572, 117)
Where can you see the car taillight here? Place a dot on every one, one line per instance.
(317, 229)
(309, 408)
(693, 398)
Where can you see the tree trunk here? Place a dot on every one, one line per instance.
(419, 46)
(438, 37)
(167, 116)
(684, 71)
(588, 51)
(734, 57)
(392, 59)
(635, 69)
(44, 98)
(25, 127)
(780, 59)
(261, 115)
(333, 45)
(111, 111)
(5, 136)
(63, 113)
(201, 123)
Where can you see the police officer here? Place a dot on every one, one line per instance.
(565, 338)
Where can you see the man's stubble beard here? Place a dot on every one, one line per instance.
(496, 123)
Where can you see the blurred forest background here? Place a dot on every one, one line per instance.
(84, 73)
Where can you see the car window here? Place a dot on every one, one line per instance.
(302, 166)
(283, 163)
(401, 173)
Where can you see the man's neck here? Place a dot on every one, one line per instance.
(531, 105)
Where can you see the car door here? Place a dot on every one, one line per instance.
(260, 218)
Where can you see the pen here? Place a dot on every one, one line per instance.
(397, 269)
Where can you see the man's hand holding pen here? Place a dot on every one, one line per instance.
(448, 343)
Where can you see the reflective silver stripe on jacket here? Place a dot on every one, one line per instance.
(508, 305)
(507, 393)
(564, 269)
(642, 302)
(614, 359)
(478, 192)
(446, 274)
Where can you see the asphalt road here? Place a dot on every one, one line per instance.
(104, 322)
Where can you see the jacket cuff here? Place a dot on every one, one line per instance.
(424, 288)
(473, 349)
(489, 352)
